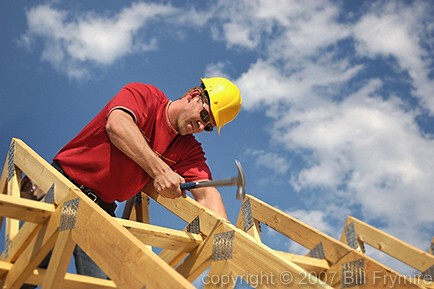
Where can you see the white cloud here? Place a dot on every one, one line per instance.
(315, 218)
(216, 69)
(269, 160)
(397, 30)
(364, 148)
(72, 43)
(361, 144)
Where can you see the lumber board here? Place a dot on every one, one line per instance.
(137, 211)
(71, 281)
(162, 237)
(25, 210)
(391, 245)
(19, 243)
(310, 264)
(128, 210)
(13, 190)
(112, 247)
(375, 275)
(187, 209)
(142, 209)
(266, 267)
(40, 171)
(254, 231)
(296, 230)
(35, 252)
(172, 257)
(3, 186)
(431, 247)
(3, 178)
(220, 276)
(59, 261)
(194, 264)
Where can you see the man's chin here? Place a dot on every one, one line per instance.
(186, 131)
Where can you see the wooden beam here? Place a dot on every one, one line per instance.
(172, 257)
(3, 178)
(254, 231)
(296, 230)
(34, 253)
(137, 211)
(200, 259)
(431, 247)
(13, 190)
(369, 272)
(142, 209)
(25, 209)
(40, 171)
(220, 276)
(187, 209)
(162, 237)
(71, 281)
(127, 213)
(265, 268)
(59, 261)
(125, 259)
(3, 185)
(20, 242)
(309, 264)
(412, 256)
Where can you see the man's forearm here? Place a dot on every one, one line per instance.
(210, 197)
(127, 137)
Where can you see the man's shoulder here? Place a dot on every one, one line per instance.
(142, 86)
(144, 90)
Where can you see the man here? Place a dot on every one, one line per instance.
(142, 136)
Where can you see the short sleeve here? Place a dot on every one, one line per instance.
(193, 166)
(138, 100)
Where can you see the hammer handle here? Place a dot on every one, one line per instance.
(218, 183)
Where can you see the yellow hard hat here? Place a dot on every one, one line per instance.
(225, 99)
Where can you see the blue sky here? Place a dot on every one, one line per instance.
(338, 96)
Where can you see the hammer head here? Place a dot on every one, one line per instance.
(241, 182)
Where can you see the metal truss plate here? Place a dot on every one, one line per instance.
(194, 226)
(318, 252)
(353, 274)
(69, 214)
(223, 247)
(11, 162)
(350, 234)
(428, 274)
(8, 244)
(49, 196)
(246, 211)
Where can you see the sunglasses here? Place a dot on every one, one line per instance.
(204, 116)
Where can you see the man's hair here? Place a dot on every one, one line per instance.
(203, 93)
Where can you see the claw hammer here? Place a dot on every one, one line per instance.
(238, 181)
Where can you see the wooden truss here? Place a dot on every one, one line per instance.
(219, 252)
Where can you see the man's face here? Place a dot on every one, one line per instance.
(195, 117)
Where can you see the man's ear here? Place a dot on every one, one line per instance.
(195, 92)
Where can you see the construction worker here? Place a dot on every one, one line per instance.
(141, 136)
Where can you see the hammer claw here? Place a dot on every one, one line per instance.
(238, 181)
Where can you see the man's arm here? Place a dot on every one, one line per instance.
(127, 137)
(210, 198)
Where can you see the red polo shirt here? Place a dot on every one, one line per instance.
(93, 161)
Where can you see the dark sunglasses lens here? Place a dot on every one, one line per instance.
(204, 115)
(208, 127)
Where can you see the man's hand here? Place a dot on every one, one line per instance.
(167, 184)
